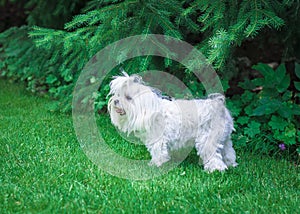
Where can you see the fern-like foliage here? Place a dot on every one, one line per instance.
(214, 26)
(102, 23)
(228, 23)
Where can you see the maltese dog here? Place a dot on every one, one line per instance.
(165, 124)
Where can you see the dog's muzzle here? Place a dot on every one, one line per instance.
(119, 110)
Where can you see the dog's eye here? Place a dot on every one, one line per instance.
(128, 97)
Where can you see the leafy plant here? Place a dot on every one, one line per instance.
(268, 109)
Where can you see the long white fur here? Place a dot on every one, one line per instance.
(164, 125)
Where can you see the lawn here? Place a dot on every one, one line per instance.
(43, 169)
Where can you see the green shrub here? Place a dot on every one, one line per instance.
(103, 22)
(268, 110)
(215, 27)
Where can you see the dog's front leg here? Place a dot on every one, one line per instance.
(159, 153)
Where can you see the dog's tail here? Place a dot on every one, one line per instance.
(220, 98)
(217, 96)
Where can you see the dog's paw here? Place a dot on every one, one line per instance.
(230, 162)
(215, 165)
(235, 164)
(158, 162)
(151, 163)
(155, 163)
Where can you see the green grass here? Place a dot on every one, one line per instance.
(43, 169)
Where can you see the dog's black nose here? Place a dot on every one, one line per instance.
(116, 102)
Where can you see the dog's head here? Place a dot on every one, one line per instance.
(132, 103)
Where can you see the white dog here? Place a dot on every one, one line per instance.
(164, 124)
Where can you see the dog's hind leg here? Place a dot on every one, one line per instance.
(210, 142)
(210, 154)
(228, 154)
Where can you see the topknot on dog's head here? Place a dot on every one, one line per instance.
(120, 81)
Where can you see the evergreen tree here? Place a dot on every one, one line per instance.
(216, 27)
